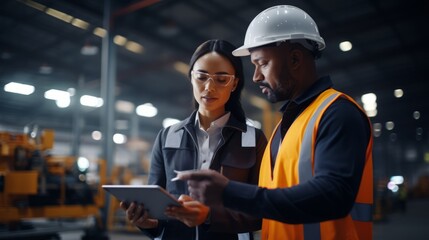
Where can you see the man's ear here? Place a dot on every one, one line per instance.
(296, 57)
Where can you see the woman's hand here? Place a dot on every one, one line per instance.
(193, 213)
(137, 215)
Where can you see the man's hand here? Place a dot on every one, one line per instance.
(205, 186)
(193, 213)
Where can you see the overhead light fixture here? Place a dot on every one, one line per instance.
(59, 15)
(101, 32)
(124, 106)
(181, 67)
(390, 125)
(369, 101)
(346, 46)
(119, 138)
(398, 93)
(19, 88)
(146, 110)
(80, 23)
(45, 69)
(89, 49)
(61, 98)
(96, 135)
(377, 128)
(169, 121)
(34, 5)
(416, 115)
(120, 40)
(91, 101)
(134, 47)
(55, 94)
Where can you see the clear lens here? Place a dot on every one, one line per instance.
(219, 79)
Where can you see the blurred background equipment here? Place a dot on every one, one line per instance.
(35, 184)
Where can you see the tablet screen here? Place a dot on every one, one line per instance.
(154, 197)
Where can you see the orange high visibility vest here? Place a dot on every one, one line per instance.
(295, 163)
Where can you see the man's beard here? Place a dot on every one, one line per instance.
(275, 96)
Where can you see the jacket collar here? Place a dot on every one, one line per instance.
(233, 122)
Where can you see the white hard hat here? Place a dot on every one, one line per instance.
(280, 23)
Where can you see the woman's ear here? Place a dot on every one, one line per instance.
(235, 84)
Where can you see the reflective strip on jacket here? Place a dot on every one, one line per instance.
(295, 164)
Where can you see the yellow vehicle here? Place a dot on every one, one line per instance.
(35, 184)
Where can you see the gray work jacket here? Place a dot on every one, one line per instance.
(238, 155)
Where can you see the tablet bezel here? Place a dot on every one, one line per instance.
(155, 198)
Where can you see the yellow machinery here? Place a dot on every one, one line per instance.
(34, 184)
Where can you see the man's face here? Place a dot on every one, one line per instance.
(272, 72)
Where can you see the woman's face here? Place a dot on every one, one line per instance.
(212, 91)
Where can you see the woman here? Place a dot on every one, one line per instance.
(215, 136)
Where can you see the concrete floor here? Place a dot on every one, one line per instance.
(413, 224)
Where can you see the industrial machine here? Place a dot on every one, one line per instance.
(35, 184)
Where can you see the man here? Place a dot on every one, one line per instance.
(316, 174)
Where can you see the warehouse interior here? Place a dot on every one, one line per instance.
(91, 69)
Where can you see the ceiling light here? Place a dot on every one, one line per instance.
(19, 88)
(82, 163)
(398, 93)
(369, 101)
(59, 15)
(91, 101)
(416, 115)
(124, 106)
(96, 135)
(71, 91)
(169, 121)
(63, 102)
(101, 32)
(120, 40)
(134, 47)
(346, 46)
(119, 138)
(181, 67)
(146, 110)
(397, 179)
(35, 5)
(390, 125)
(45, 69)
(62, 98)
(377, 127)
(55, 94)
(89, 50)
(80, 23)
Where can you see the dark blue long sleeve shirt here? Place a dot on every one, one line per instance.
(341, 144)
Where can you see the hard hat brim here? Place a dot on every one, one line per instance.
(244, 50)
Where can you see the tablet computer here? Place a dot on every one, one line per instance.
(154, 197)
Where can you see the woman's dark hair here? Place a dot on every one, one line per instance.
(225, 49)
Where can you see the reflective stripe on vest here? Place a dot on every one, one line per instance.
(305, 169)
(359, 212)
(174, 137)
